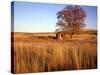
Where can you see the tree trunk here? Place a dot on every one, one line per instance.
(71, 34)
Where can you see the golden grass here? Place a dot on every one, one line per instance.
(33, 54)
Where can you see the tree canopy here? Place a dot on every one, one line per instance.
(71, 19)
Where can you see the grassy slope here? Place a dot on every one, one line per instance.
(38, 54)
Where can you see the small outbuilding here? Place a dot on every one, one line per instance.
(61, 35)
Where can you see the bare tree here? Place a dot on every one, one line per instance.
(71, 19)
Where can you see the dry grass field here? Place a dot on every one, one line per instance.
(33, 52)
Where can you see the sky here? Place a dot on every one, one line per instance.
(41, 17)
